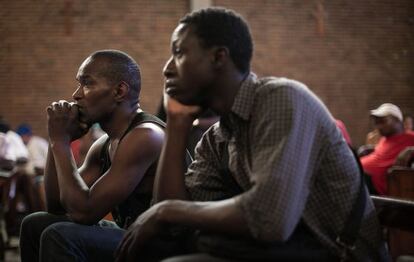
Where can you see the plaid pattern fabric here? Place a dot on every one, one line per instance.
(281, 156)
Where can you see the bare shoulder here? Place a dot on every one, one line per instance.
(149, 130)
(145, 137)
(151, 126)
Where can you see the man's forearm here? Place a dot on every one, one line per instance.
(223, 217)
(169, 182)
(51, 185)
(72, 188)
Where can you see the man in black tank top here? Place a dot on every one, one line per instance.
(117, 175)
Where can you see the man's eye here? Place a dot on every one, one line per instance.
(176, 51)
(83, 84)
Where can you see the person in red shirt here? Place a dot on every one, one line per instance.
(389, 122)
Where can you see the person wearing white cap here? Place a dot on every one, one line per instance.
(388, 120)
(388, 109)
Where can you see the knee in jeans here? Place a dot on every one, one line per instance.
(59, 230)
(55, 241)
(33, 219)
(38, 217)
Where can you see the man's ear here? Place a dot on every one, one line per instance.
(121, 91)
(221, 55)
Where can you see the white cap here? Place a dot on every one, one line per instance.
(387, 109)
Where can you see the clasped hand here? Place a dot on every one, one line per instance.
(63, 122)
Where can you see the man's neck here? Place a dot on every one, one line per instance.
(227, 90)
(119, 121)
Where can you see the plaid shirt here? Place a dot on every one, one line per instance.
(281, 156)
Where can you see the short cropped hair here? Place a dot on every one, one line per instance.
(220, 26)
(120, 67)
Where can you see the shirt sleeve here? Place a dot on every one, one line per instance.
(19, 148)
(205, 178)
(6, 151)
(38, 152)
(285, 144)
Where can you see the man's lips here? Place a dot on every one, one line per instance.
(171, 87)
(170, 82)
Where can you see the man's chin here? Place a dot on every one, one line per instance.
(85, 122)
(189, 101)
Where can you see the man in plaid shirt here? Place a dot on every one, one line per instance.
(274, 179)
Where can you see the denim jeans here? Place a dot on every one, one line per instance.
(48, 237)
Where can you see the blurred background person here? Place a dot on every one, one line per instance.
(18, 195)
(408, 123)
(16, 143)
(7, 157)
(7, 163)
(388, 120)
(37, 148)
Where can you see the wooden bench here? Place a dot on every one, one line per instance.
(397, 216)
(401, 182)
(396, 211)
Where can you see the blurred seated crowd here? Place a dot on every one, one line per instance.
(22, 162)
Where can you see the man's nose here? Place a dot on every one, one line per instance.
(169, 67)
(77, 94)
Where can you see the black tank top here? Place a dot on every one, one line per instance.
(139, 200)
